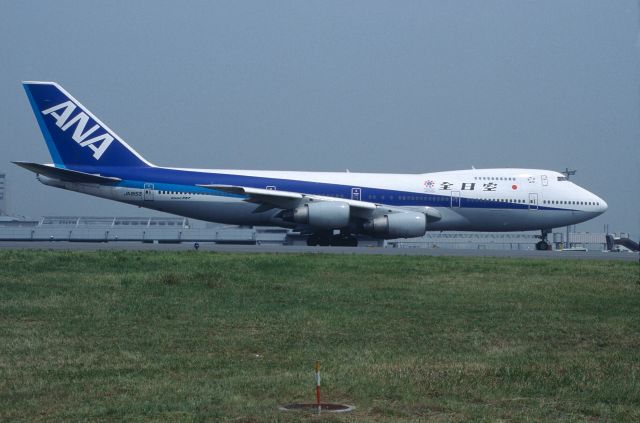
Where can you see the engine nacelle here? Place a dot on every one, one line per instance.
(324, 214)
(398, 225)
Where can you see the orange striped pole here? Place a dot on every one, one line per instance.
(318, 386)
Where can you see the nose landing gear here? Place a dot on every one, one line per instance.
(543, 244)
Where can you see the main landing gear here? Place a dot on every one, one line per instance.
(543, 244)
(326, 238)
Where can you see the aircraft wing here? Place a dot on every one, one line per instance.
(67, 175)
(270, 198)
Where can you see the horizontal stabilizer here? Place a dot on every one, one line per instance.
(66, 174)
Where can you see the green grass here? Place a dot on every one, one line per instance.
(146, 336)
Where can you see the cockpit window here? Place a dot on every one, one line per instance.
(562, 178)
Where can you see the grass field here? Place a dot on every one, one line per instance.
(144, 336)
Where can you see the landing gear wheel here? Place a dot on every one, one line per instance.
(327, 239)
(312, 240)
(344, 241)
(542, 245)
(337, 241)
(324, 240)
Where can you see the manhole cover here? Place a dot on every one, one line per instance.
(331, 408)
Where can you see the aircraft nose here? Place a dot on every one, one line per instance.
(602, 205)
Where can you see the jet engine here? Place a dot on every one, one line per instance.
(323, 215)
(398, 225)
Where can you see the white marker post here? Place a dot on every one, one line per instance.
(318, 386)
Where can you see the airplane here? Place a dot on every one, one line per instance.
(329, 208)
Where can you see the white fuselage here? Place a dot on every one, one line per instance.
(468, 200)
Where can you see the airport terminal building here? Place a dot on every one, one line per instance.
(3, 204)
(171, 229)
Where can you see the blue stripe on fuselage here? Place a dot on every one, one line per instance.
(186, 181)
(125, 183)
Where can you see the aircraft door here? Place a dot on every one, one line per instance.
(455, 198)
(545, 180)
(533, 201)
(148, 192)
(356, 194)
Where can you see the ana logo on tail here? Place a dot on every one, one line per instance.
(62, 113)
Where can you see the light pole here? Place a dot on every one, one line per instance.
(568, 172)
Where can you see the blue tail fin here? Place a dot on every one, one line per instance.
(74, 136)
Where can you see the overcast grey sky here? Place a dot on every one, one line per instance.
(397, 86)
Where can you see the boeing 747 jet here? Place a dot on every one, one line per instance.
(331, 208)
